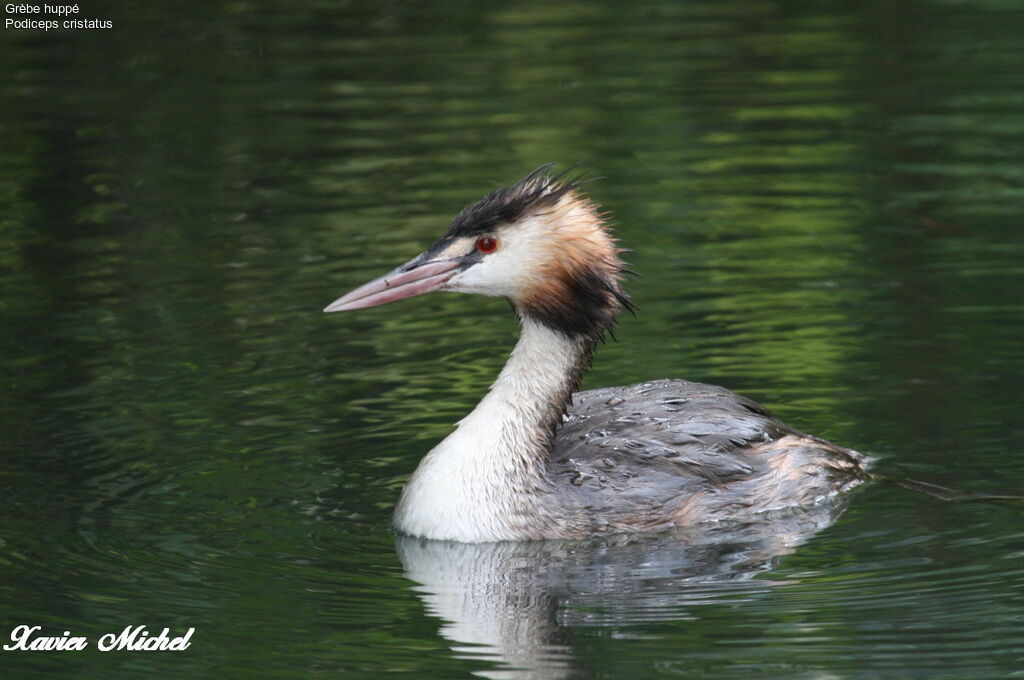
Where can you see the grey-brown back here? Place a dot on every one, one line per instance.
(677, 453)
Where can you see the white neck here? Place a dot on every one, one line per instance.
(482, 482)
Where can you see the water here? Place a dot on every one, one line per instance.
(824, 200)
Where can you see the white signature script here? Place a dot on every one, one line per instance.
(131, 639)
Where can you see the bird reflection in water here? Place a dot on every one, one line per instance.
(511, 604)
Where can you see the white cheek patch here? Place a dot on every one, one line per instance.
(512, 267)
(488, 277)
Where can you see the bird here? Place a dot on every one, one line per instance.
(536, 459)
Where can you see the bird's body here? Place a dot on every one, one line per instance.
(536, 459)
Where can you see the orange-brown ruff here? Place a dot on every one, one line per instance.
(535, 459)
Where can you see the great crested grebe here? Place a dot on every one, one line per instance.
(536, 459)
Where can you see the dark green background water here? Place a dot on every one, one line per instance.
(825, 200)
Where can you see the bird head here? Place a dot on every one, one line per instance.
(539, 243)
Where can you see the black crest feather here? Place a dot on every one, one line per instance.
(506, 205)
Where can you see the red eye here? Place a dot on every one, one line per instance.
(486, 244)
